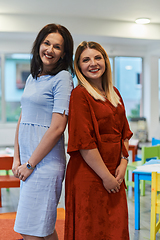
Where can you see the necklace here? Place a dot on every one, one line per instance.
(103, 93)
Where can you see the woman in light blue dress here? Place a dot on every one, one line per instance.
(39, 155)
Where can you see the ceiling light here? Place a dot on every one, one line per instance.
(142, 20)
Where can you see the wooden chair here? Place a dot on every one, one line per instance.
(155, 205)
(7, 181)
(147, 153)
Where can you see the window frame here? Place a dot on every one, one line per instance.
(3, 119)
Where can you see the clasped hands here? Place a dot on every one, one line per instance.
(21, 171)
(112, 183)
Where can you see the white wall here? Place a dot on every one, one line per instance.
(7, 133)
(80, 26)
(18, 32)
(151, 95)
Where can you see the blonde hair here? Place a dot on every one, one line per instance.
(106, 78)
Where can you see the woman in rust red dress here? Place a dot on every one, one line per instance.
(96, 205)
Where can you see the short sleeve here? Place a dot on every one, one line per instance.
(126, 132)
(80, 124)
(62, 88)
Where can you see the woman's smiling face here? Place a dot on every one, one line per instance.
(51, 50)
(92, 64)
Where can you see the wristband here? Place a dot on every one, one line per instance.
(125, 158)
(29, 166)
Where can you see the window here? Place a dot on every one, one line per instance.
(128, 80)
(17, 69)
(75, 81)
(126, 71)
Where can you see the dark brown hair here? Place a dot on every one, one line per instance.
(63, 64)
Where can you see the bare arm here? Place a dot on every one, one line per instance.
(126, 143)
(48, 141)
(121, 169)
(16, 160)
(93, 158)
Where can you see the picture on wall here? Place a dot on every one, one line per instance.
(22, 73)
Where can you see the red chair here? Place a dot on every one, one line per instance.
(7, 181)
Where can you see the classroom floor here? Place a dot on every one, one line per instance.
(10, 202)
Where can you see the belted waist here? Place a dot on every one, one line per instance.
(115, 138)
(111, 137)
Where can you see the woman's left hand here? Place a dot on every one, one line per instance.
(120, 171)
(23, 172)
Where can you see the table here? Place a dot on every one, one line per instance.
(142, 173)
(5, 162)
(7, 180)
(133, 146)
(5, 154)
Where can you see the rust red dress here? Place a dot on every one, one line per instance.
(91, 212)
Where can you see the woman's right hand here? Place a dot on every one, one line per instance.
(111, 184)
(16, 164)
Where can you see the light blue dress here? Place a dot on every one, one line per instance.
(40, 193)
